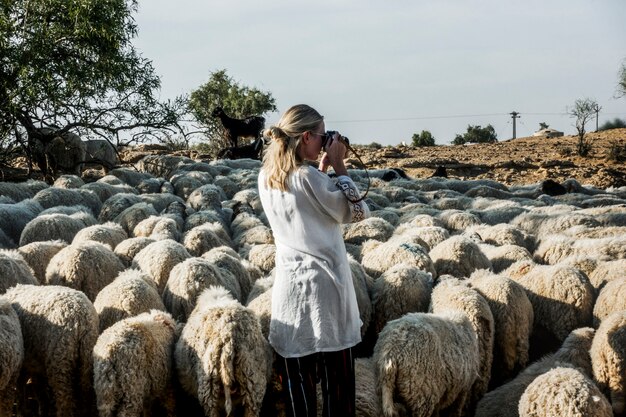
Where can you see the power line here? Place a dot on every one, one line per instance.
(416, 118)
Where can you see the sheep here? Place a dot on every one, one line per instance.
(221, 356)
(562, 300)
(426, 364)
(159, 258)
(502, 257)
(229, 262)
(104, 190)
(553, 250)
(608, 359)
(14, 270)
(60, 328)
(260, 302)
(14, 217)
(109, 233)
(187, 182)
(101, 151)
(378, 257)
(610, 299)
(52, 197)
(363, 285)
(116, 204)
(250, 126)
(505, 234)
(263, 256)
(68, 181)
(401, 289)
(21, 191)
(133, 215)
(563, 391)
(205, 237)
(454, 294)
(87, 266)
(133, 366)
(229, 187)
(128, 248)
(503, 401)
(38, 254)
(161, 165)
(5, 241)
(11, 355)
(188, 279)
(157, 228)
(55, 226)
(386, 214)
(368, 403)
(252, 150)
(132, 292)
(606, 272)
(130, 176)
(459, 257)
(370, 228)
(545, 223)
(513, 320)
(256, 235)
(153, 185)
(205, 216)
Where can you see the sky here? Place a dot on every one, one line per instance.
(381, 71)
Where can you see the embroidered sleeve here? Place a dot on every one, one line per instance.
(359, 210)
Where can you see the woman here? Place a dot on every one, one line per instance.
(315, 318)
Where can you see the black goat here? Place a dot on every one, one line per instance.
(250, 127)
(252, 151)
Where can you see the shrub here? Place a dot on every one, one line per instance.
(425, 138)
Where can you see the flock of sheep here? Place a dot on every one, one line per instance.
(147, 292)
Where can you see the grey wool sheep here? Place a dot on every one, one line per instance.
(456, 220)
(612, 298)
(128, 248)
(562, 299)
(15, 217)
(86, 266)
(401, 289)
(501, 257)
(513, 323)
(159, 258)
(377, 257)
(116, 204)
(133, 292)
(11, 355)
(458, 256)
(14, 270)
(22, 190)
(133, 363)
(60, 328)
(55, 226)
(206, 197)
(205, 237)
(426, 364)
(504, 400)
(5, 241)
(363, 285)
(53, 196)
(430, 235)
(608, 357)
(563, 391)
(38, 254)
(452, 293)
(505, 234)
(68, 181)
(133, 215)
(157, 228)
(111, 234)
(187, 281)
(221, 356)
(104, 190)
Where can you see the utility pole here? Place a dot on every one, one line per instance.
(597, 109)
(514, 115)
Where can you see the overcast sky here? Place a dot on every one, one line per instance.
(380, 71)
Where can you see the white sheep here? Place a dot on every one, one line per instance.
(111, 234)
(263, 256)
(555, 249)
(157, 228)
(513, 320)
(563, 391)
(430, 235)
(38, 254)
(131, 293)
(457, 221)
(368, 402)
(205, 237)
(11, 355)
(377, 257)
(606, 272)
(68, 181)
(104, 190)
(134, 367)
(159, 258)
(221, 356)
(260, 302)
(206, 197)
(562, 300)
(502, 257)
(504, 400)
(86, 266)
(60, 328)
(14, 270)
(133, 215)
(229, 262)
(55, 226)
(609, 359)
(612, 298)
(458, 256)
(189, 279)
(369, 228)
(401, 289)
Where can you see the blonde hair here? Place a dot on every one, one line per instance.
(281, 157)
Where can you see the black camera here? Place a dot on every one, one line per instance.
(328, 138)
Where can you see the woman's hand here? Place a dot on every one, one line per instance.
(336, 152)
(324, 162)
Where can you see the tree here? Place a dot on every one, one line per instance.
(583, 111)
(616, 123)
(238, 101)
(477, 134)
(621, 83)
(425, 138)
(543, 125)
(69, 65)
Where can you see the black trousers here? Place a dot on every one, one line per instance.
(335, 372)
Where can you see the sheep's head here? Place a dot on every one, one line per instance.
(217, 112)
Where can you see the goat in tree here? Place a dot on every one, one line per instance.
(252, 150)
(240, 128)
